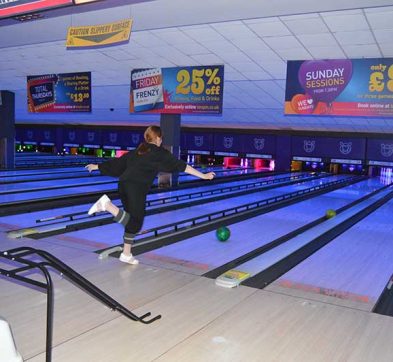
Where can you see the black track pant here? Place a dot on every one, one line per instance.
(133, 198)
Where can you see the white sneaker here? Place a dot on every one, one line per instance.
(128, 259)
(99, 205)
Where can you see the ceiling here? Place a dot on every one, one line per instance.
(254, 39)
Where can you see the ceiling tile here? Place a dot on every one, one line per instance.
(202, 34)
(380, 18)
(207, 59)
(308, 24)
(322, 52)
(256, 75)
(277, 70)
(283, 42)
(355, 37)
(268, 27)
(173, 36)
(234, 30)
(345, 21)
(191, 48)
(384, 36)
(362, 51)
(318, 39)
(295, 54)
(261, 56)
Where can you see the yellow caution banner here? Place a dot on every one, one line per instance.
(99, 35)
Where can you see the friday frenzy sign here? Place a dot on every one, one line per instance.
(196, 89)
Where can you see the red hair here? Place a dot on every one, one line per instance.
(150, 135)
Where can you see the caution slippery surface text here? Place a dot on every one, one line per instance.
(99, 35)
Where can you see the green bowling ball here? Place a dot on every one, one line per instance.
(330, 213)
(203, 167)
(223, 233)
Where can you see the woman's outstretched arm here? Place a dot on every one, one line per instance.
(192, 171)
(91, 167)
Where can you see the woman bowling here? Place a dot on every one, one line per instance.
(136, 171)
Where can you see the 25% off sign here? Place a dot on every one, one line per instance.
(199, 81)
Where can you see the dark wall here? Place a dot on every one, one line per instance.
(281, 146)
(7, 129)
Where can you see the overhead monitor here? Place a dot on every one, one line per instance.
(77, 2)
(10, 8)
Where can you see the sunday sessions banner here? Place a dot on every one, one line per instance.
(63, 92)
(340, 87)
(196, 89)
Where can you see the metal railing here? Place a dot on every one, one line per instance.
(19, 255)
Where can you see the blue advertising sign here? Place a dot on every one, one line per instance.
(196, 89)
(350, 87)
(60, 93)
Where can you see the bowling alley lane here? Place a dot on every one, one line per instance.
(33, 174)
(112, 234)
(204, 252)
(38, 174)
(52, 175)
(79, 186)
(29, 186)
(352, 268)
(39, 171)
(16, 221)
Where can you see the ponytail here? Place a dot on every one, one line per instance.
(151, 133)
(142, 149)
